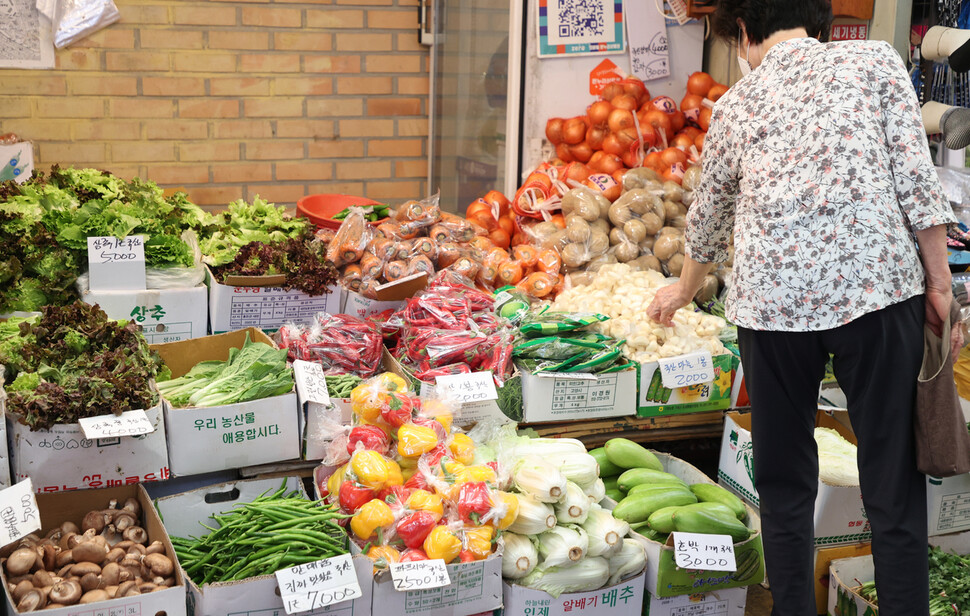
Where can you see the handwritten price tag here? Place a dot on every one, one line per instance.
(116, 264)
(19, 515)
(474, 387)
(700, 551)
(129, 423)
(419, 575)
(686, 370)
(311, 383)
(318, 584)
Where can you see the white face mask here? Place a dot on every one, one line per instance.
(743, 63)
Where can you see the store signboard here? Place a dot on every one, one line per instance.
(850, 32)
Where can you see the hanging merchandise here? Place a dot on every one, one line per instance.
(73, 20)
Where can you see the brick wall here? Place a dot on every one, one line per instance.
(234, 98)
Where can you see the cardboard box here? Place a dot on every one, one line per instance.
(361, 307)
(665, 579)
(622, 599)
(18, 161)
(568, 397)
(63, 459)
(848, 573)
(254, 301)
(840, 517)
(844, 575)
(475, 587)
(727, 602)
(183, 514)
(823, 562)
(656, 401)
(233, 435)
(56, 508)
(948, 504)
(4, 455)
(164, 315)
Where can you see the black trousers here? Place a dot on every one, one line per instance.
(877, 358)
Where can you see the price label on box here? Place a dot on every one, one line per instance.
(702, 551)
(686, 370)
(318, 584)
(116, 264)
(129, 423)
(311, 382)
(19, 515)
(419, 575)
(464, 388)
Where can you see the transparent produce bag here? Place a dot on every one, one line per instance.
(73, 20)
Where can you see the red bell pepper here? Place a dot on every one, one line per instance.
(353, 496)
(474, 502)
(411, 555)
(395, 495)
(371, 438)
(414, 527)
(417, 482)
(466, 556)
(398, 409)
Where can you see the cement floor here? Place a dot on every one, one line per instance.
(758, 602)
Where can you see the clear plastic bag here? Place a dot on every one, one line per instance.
(73, 20)
(166, 277)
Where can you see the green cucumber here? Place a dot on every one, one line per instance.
(607, 468)
(638, 507)
(637, 476)
(713, 493)
(710, 523)
(626, 454)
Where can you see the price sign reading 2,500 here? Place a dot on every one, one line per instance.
(410, 582)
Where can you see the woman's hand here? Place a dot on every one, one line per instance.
(666, 302)
(938, 302)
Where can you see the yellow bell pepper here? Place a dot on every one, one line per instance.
(372, 515)
(478, 472)
(412, 440)
(442, 543)
(395, 476)
(478, 541)
(391, 382)
(452, 467)
(370, 468)
(422, 500)
(383, 556)
(462, 448)
(511, 505)
(334, 481)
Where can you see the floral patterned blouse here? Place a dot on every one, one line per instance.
(817, 162)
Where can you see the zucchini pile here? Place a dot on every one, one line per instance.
(656, 503)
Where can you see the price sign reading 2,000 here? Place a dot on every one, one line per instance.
(684, 380)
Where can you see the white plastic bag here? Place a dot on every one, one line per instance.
(73, 20)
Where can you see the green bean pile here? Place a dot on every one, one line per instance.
(341, 385)
(273, 532)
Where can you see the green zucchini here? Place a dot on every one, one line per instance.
(626, 454)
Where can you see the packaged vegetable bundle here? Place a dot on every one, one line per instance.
(410, 482)
(341, 343)
(562, 342)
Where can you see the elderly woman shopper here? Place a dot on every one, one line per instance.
(817, 164)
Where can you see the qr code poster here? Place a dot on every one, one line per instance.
(569, 27)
